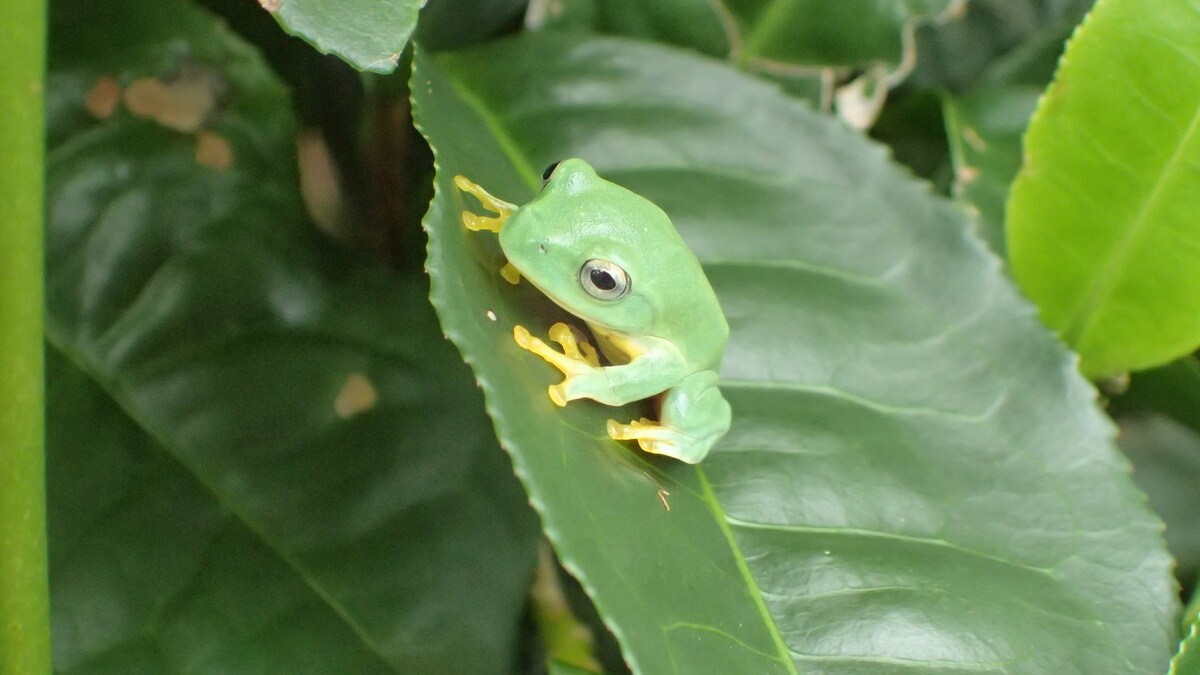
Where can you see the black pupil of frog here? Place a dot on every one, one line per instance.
(549, 170)
(602, 280)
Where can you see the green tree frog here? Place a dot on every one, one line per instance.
(614, 260)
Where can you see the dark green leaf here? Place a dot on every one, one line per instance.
(985, 128)
(1166, 465)
(152, 575)
(1173, 390)
(997, 41)
(331, 440)
(447, 24)
(367, 34)
(818, 33)
(1101, 227)
(701, 26)
(916, 477)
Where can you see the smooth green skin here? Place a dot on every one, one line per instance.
(916, 477)
(1101, 220)
(210, 509)
(24, 598)
(670, 319)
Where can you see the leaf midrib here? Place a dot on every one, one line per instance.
(1103, 284)
(524, 167)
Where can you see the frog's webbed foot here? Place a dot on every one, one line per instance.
(578, 357)
(650, 435)
(475, 222)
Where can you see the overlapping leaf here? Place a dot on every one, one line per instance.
(367, 34)
(304, 465)
(916, 478)
(1101, 224)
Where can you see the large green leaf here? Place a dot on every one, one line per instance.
(1101, 223)
(916, 477)
(153, 575)
(321, 432)
(367, 34)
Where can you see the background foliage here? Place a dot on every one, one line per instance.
(264, 457)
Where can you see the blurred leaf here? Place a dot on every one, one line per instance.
(1187, 661)
(911, 125)
(449, 24)
(152, 575)
(1191, 613)
(822, 33)
(985, 128)
(693, 24)
(997, 41)
(903, 426)
(305, 393)
(1173, 390)
(367, 34)
(1166, 465)
(1101, 226)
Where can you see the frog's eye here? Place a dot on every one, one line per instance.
(603, 280)
(549, 172)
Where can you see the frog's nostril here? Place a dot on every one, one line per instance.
(541, 248)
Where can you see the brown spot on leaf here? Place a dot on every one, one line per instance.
(319, 185)
(967, 173)
(973, 138)
(183, 104)
(213, 151)
(270, 5)
(103, 97)
(357, 396)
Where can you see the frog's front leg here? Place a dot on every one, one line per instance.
(644, 376)
(475, 222)
(577, 358)
(694, 415)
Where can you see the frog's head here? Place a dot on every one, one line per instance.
(592, 247)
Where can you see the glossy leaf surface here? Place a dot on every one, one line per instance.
(903, 426)
(1101, 224)
(310, 427)
(367, 34)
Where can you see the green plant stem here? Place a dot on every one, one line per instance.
(24, 588)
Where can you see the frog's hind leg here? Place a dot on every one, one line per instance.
(694, 416)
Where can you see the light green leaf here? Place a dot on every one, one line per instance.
(1101, 223)
(322, 434)
(1187, 661)
(916, 477)
(367, 34)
